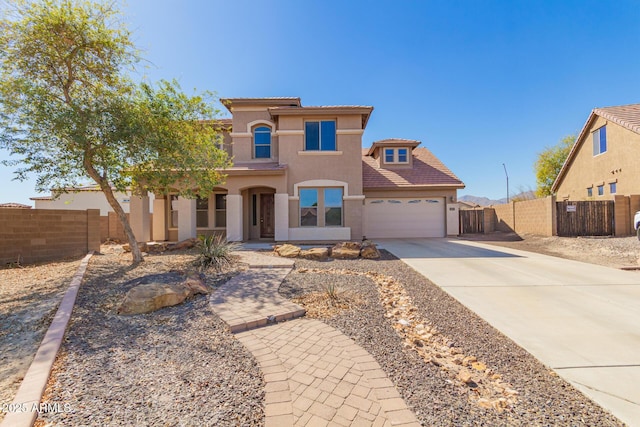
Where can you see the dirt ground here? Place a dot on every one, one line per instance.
(616, 252)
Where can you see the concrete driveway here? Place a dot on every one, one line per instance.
(580, 319)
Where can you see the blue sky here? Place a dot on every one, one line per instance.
(480, 83)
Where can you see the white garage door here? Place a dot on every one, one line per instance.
(404, 217)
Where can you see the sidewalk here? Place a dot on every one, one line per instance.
(314, 374)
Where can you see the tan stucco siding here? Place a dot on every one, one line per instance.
(618, 164)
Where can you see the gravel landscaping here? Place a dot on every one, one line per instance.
(181, 366)
(29, 298)
(175, 366)
(543, 399)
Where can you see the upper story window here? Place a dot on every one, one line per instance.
(320, 135)
(262, 142)
(600, 140)
(396, 155)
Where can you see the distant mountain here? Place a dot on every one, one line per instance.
(485, 201)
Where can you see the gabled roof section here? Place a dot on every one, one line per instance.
(393, 142)
(627, 116)
(427, 171)
(322, 110)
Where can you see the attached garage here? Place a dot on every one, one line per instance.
(404, 217)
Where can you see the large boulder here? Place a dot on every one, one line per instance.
(346, 250)
(153, 296)
(318, 254)
(369, 250)
(195, 284)
(142, 245)
(288, 251)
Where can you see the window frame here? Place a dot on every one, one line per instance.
(321, 206)
(613, 187)
(601, 190)
(173, 209)
(217, 210)
(590, 192)
(311, 207)
(599, 140)
(396, 155)
(262, 130)
(202, 201)
(320, 132)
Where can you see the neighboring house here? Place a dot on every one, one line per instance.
(12, 205)
(300, 174)
(603, 161)
(81, 198)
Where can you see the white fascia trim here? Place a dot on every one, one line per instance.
(349, 131)
(320, 153)
(353, 198)
(289, 132)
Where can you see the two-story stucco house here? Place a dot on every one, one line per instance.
(603, 161)
(300, 174)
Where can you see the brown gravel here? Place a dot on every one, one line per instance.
(544, 398)
(29, 298)
(176, 366)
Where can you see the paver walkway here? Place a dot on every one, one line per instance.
(314, 374)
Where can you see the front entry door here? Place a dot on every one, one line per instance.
(266, 216)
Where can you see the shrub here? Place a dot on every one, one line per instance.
(215, 252)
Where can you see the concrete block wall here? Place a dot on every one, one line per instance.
(537, 216)
(622, 218)
(32, 235)
(111, 228)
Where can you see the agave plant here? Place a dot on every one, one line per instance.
(215, 252)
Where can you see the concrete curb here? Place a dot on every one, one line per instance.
(26, 404)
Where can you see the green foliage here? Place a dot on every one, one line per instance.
(215, 252)
(69, 110)
(549, 163)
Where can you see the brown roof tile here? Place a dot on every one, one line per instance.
(627, 116)
(427, 171)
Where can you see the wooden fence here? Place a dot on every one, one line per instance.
(587, 218)
(471, 221)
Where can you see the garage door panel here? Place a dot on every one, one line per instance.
(404, 217)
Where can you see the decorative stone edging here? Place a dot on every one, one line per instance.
(26, 404)
(488, 389)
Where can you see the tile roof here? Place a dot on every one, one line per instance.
(12, 205)
(627, 116)
(427, 171)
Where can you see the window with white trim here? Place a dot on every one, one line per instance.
(599, 137)
(601, 190)
(396, 155)
(327, 201)
(262, 142)
(320, 135)
(612, 187)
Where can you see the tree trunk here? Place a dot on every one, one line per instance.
(113, 202)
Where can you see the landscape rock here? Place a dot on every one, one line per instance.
(142, 245)
(153, 296)
(346, 250)
(318, 254)
(195, 284)
(184, 244)
(369, 250)
(287, 250)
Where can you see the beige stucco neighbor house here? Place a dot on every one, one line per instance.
(603, 161)
(299, 174)
(81, 198)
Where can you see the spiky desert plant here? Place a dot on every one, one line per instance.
(215, 252)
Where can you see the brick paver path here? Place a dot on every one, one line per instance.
(314, 374)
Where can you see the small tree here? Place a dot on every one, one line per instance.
(549, 163)
(69, 110)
